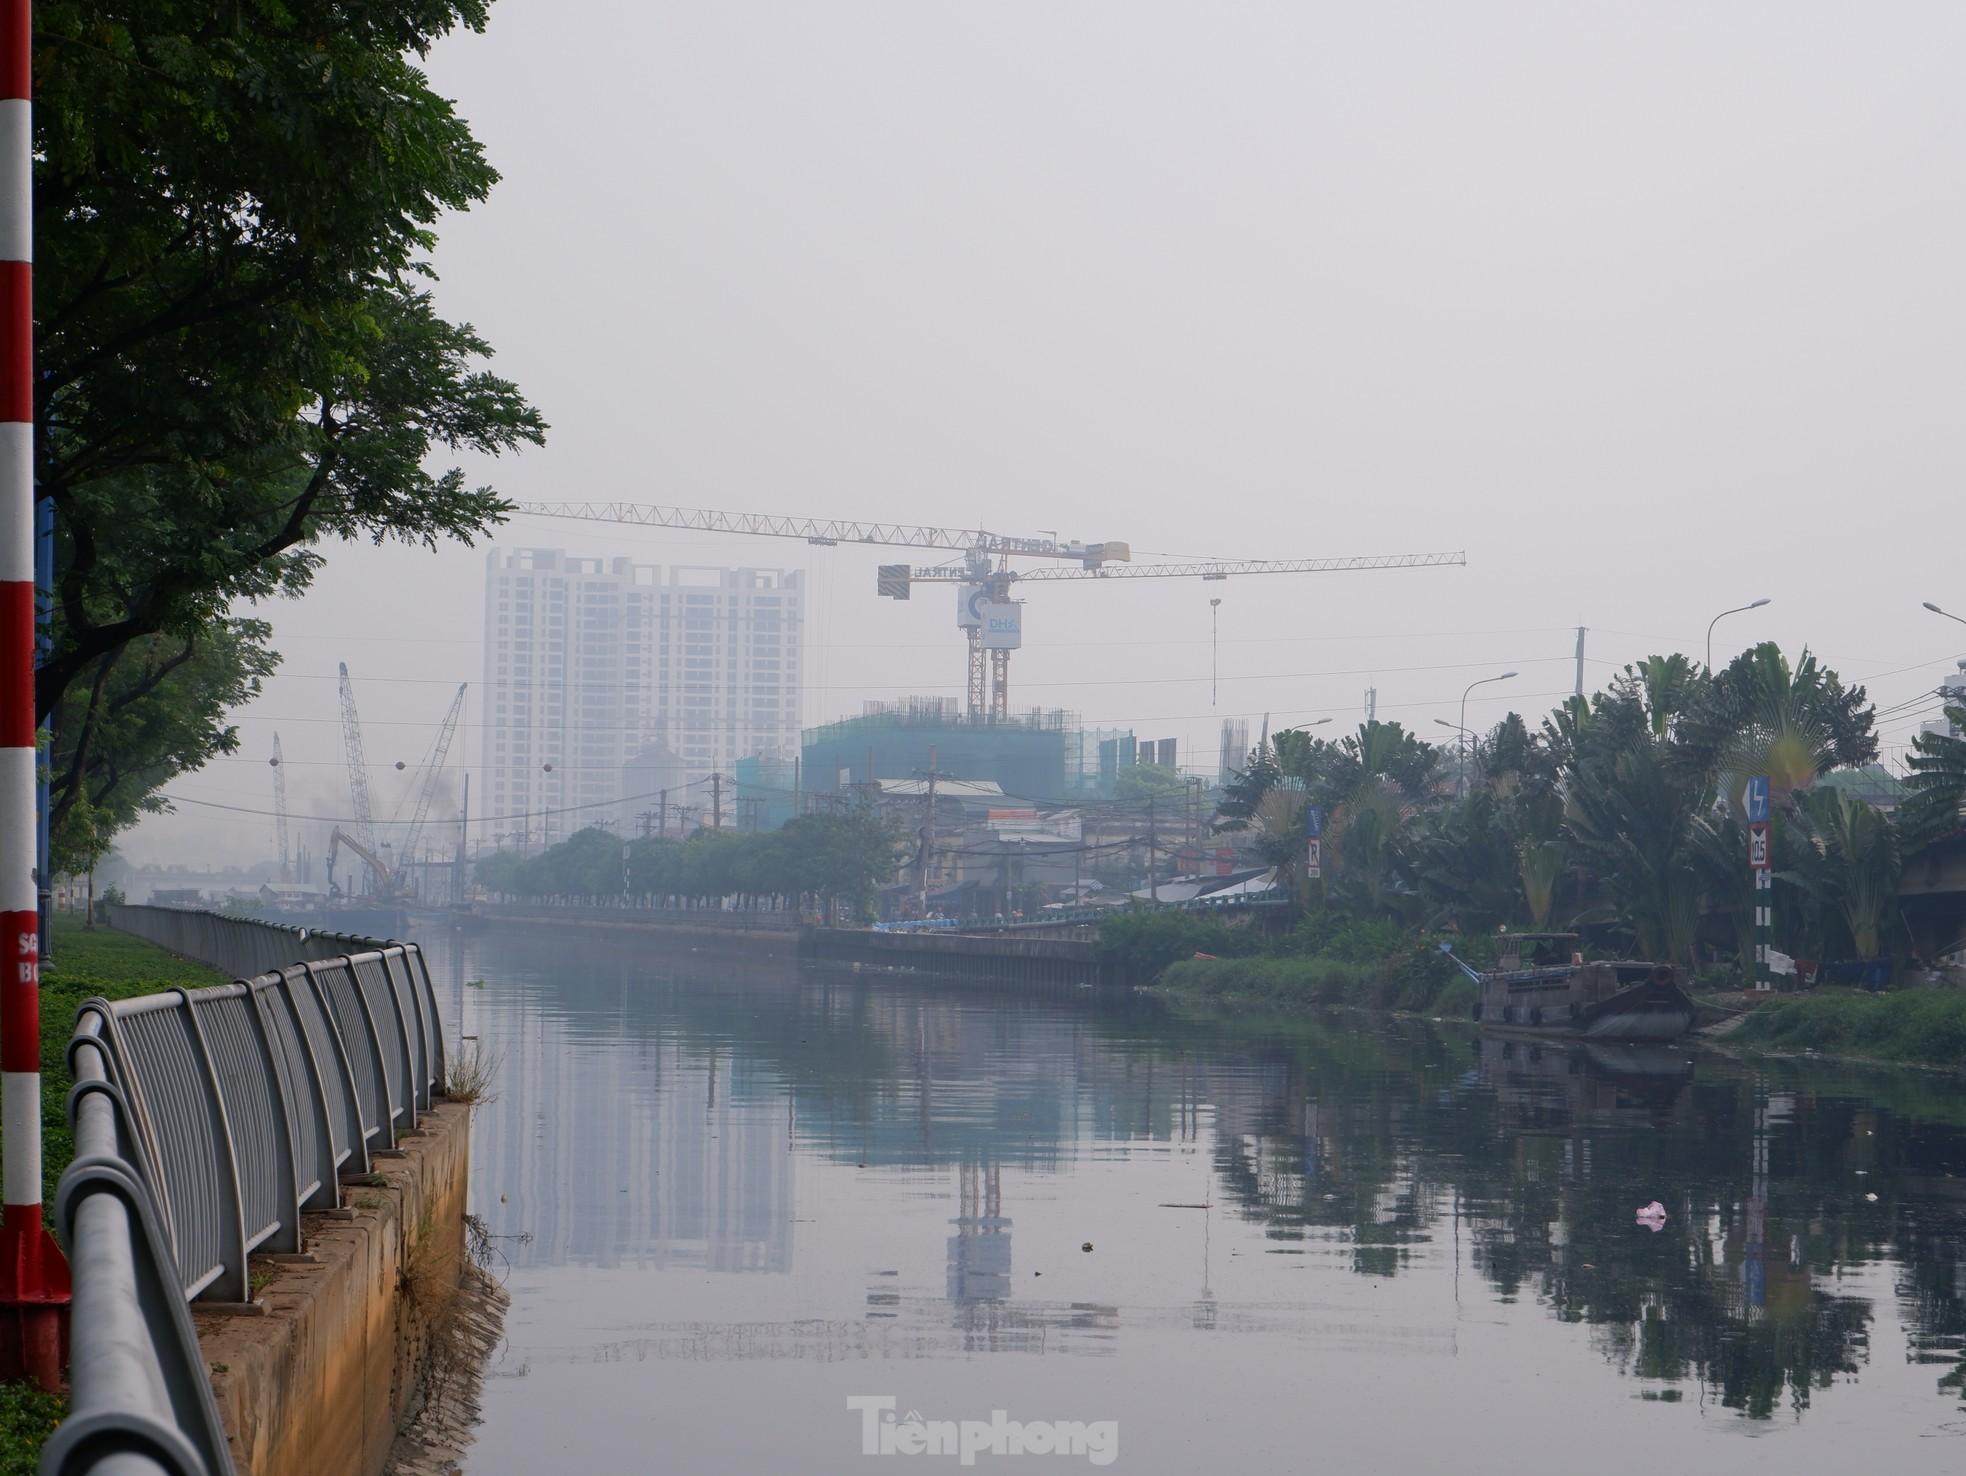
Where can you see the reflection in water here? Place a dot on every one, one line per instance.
(1368, 1191)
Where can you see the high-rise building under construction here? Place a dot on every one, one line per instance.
(589, 663)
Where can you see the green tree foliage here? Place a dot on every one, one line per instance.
(237, 353)
(1142, 781)
(1618, 814)
(149, 712)
(840, 860)
(1938, 782)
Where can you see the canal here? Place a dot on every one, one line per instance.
(729, 1197)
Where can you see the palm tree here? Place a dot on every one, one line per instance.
(1938, 783)
(1760, 716)
(1629, 817)
(1863, 864)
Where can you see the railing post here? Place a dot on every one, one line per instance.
(328, 1182)
(358, 1138)
(233, 1277)
(287, 1237)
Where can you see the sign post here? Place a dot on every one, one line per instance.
(1761, 865)
(1313, 842)
(34, 1285)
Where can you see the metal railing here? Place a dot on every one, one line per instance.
(241, 946)
(207, 1122)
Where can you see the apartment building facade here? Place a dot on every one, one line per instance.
(590, 662)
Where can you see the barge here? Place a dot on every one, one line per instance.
(1542, 986)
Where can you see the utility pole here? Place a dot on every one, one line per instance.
(798, 786)
(1153, 853)
(716, 800)
(1372, 704)
(1580, 661)
(928, 829)
(662, 813)
(460, 885)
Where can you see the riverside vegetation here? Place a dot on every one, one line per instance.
(1619, 817)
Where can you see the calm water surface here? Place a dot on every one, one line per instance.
(729, 1196)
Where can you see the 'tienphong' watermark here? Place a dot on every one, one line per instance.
(1096, 1441)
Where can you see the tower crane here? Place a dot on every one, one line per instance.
(280, 808)
(990, 618)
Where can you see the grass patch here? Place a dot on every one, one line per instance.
(1921, 1026)
(1417, 980)
(86, 962)
(27, 1418)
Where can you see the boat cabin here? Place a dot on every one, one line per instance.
(1537, 951)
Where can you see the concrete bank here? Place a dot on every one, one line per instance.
(331, 1359)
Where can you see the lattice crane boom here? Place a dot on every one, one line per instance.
(990, 620)
(433, 769)
(358, 764)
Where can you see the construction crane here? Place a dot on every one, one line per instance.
(425, 786)
(383, 878)
(280, 808)
(358, 769)
(990, 618)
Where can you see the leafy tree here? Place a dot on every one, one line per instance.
(1938, 783)
(236, 355)
(1762, 716)
(150, 710)
(1860, 863)
(1141, 781)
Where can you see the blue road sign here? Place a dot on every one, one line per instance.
(1313, 821)
(1756, 799)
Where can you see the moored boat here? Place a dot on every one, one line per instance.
(1542, 986)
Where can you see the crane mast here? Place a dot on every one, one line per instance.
(280, 809)
(990, 618)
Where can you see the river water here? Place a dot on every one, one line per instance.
(730, 1197)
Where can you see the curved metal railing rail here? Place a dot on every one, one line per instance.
(241, 946)
(207, 1122)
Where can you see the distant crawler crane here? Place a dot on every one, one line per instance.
(991, 621)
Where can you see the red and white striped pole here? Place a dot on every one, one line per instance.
(33, 1275)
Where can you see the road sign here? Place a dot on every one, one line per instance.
(1314, 857)
(1313, 821)
(1755, 799)
(1758, 859)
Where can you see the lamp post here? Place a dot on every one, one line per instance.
(1947, 613)
(1461, 781)
(1466, 740)
(1750, 605)
(1298, 728)
(1215, 652)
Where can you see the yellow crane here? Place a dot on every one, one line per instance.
(990, 619)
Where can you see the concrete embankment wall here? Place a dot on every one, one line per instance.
(1008, 959)
(326, 1369)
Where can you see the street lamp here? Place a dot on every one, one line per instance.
(1750, 605)
(1465, 741)
(1299, 727)
(1947, 613)
(1214, 652)
(1461, 780)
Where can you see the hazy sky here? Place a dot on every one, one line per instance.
(1652, 309)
